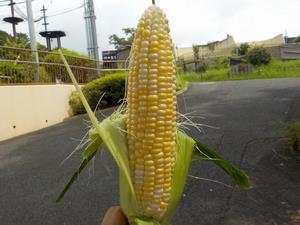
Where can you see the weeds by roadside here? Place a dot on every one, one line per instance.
(276, 69)
(292, 131)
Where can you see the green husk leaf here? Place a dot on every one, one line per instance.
(141, 221)
(85, 103)
(92, 147)
(184, 152)
(76, 174)
(201, 152)
(114, 138)
(107, 130)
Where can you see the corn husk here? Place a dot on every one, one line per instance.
(110, 133)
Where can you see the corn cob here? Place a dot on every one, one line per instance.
(151, 121)
(153, 157)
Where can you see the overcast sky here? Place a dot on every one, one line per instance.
(191, 21)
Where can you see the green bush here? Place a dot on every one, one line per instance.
(22, 73)
(259, 56)
(243, 49)
(109, 89)
(201, 66)
(217, 62)
(292, 131)
(74, 59)
(16, 72)
(44, 76)
(75, 103)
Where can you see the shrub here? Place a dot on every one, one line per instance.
(75, 103)
(292, 130)
(16, 72)
(217, 62)
(74, 59)
(243, 49)
(109, 89)
(22, 73)
(201, 66)
(44, 76)
(259, 56)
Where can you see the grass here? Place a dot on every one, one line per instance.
(292, 131)
(181, 81)
(276, 69)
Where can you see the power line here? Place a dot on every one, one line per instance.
(16, 3)
(51, 1)
(24, 16)
(67, 11)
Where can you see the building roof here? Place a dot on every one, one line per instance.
(225, 46)
(274, 41)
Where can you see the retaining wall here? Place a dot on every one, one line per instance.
(28, 108)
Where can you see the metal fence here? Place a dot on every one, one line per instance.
(19, 66)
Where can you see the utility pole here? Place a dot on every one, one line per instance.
(45, 25)
(12, 19)
(44, 17)
(32, 38)
(286, 38)
(11, 4)
(91, 32)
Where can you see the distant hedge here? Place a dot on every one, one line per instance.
(259, 56)
(109, 88)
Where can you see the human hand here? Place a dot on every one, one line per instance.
(114, 216)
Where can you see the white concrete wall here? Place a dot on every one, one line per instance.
(28, 108)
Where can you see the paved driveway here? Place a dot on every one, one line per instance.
(247, 114)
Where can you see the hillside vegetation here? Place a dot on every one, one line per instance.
(275, 69)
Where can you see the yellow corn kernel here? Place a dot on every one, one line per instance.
(151, 112)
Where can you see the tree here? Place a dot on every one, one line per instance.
(196, 49)
(119, 42)
(41, 47)
(23, 40)
(4, 36)
(259, 56)
(243, 49)
(200, 65)
(297, 40)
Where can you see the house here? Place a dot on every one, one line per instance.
(118, 54)
(277, 45)
(115, 59)
(274, 41)
(286, 52)
(223, 47)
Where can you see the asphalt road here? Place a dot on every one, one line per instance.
(247, 115)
